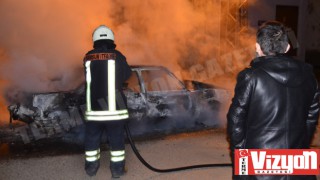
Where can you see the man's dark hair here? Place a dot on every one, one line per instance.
(272, 38)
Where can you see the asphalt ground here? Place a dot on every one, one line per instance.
(187, 149)
(62, 162)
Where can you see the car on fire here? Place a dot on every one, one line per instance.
(158, 103)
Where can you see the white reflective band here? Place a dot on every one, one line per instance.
(102, 113)
(112, 85)
(105, 118)
(117, 159)
(111, 113)
(93, 158)
(92, 153)
(117, 153)
(88, 79)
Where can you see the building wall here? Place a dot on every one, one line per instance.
(313, 27)
(313, 35)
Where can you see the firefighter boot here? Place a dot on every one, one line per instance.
(92, 167)
(117, 169)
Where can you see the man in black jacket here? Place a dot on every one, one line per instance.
(106, 70)
(276, 100)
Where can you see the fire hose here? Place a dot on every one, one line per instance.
(135, 150)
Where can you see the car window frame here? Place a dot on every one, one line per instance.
(142, 81)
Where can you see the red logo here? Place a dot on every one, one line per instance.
(277, 162)
(243, 152)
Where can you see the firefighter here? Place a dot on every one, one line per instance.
(106, 70)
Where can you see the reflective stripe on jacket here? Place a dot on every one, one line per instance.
(105, 74)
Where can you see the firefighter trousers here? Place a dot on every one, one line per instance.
(115, 137)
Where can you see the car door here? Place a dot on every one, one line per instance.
(135, 98)
(166, 96)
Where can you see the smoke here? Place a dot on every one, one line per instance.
(43, 42)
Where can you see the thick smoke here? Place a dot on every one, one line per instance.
(43, 42)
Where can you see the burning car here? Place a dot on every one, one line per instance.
(158, 103)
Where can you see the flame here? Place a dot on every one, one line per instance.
(43, 42)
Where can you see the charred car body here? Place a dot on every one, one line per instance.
(158, 104)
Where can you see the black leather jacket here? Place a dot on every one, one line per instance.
(275, 106)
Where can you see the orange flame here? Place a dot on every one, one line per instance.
(43, 43)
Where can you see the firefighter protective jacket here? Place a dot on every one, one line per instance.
(275, 106)
(106, 70)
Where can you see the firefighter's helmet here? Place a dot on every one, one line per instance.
(102, 32)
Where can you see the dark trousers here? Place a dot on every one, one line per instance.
(114, 131)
